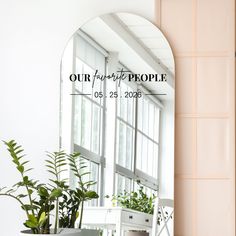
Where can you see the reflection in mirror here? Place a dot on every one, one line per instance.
(117, 110)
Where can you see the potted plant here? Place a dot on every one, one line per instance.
(138, 201)
(41, 201)
(72, 207)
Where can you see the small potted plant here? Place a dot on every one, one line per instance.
(138, 201)
(41, 201)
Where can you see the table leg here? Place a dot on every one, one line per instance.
(118, 229)
(105, 232)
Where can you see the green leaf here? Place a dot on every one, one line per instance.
(85, 173)
(57, 192)
(29, 207)
(91, 195)
(42, 218)
(50, 162)
(51, 167)
(25, 162)
(20, 168)
(22, 195)
(52, 172)
(30, 191)
(32, 219)
(25, 179)
(30, 224)
(43, 192)
(28, 170)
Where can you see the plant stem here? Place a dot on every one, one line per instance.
(81, 214)
(56, 217)
(12, 196)
(48, 220)
(30, 199)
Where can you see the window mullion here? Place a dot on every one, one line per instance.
(72, 180)
(103, 138)
(91, 131)
(135, 135)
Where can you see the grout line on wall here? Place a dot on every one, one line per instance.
(203, 116)
(189, 177)
(158, 13)
(194, 214)
(203, 54)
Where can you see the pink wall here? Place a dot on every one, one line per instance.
(201, 33)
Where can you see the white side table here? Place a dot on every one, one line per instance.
(117, 218)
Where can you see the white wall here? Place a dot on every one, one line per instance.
(33, 36)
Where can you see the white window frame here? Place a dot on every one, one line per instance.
(87, 154)
(133, 174)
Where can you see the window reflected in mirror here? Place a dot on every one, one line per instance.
(117, 111)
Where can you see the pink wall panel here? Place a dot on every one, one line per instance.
(201, 34)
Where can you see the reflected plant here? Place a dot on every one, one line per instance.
(138, 201)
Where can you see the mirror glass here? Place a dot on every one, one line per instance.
(117, 110)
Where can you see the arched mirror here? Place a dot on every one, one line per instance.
(117, 111)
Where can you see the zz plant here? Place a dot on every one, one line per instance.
(75, 199)
(39, 201)
(37, 210)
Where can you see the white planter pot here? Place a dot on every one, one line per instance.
(65, 232)
(137, 233)
(89, 232)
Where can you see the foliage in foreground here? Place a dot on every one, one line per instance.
(41, 201)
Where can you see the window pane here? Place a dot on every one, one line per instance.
(145, 116)
(121, 127)
(130, 107)
(123, 102)
(150, 158)
(156, 126)
(93, 170)
(79, 70)
(148, 130)
(77, 121)
(144, 154)
(139, 151)
(151, 120)
(155, 161)
(122, 184)
(87, 86)
(95, 129)
(147, 156)
(140, 114)
(97, 87)
(118, 101)
(129, 148)
(86, 123)
(124, 145)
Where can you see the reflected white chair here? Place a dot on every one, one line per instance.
(159, 206)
